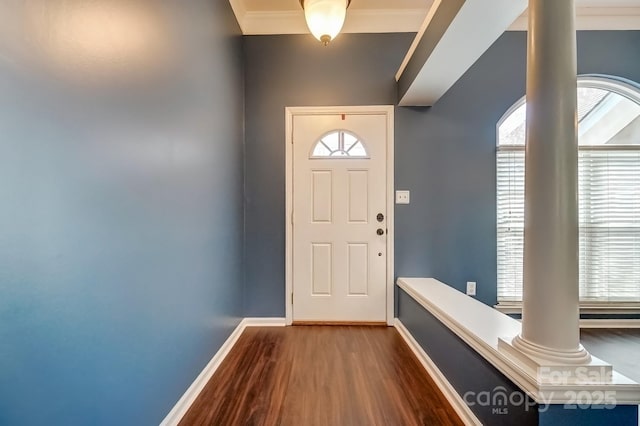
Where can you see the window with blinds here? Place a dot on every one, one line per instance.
(609, 194)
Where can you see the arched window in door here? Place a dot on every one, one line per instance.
(339, 143)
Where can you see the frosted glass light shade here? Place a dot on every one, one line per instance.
(325, 17)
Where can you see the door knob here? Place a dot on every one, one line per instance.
(380, 231)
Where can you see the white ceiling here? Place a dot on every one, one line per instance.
(607, 3)
(364, 16)
(283, 5)
(379, 16)
(599, 15)
(275, 5)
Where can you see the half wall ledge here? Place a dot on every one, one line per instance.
(452, 324)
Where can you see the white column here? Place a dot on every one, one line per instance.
(550, 314)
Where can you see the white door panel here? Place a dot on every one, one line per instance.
(339, 260)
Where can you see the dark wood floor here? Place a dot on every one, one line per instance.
(321, 375)
(620, 347)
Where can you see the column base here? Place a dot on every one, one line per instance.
(551, 367)
(578, 357)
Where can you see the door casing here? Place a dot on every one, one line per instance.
(290, 112)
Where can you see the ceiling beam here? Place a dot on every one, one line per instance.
(451, 44)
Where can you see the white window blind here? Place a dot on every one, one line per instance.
(609, 194)
(609, 200)
(510, 200)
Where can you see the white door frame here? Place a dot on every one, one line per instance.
(290, 112)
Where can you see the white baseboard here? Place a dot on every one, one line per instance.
(264, 322)
(610, 323)
(184, 403)
(456, 401)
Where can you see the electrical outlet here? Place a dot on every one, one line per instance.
(403, 197)
(471, 288)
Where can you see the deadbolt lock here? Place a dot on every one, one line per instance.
(380, 217)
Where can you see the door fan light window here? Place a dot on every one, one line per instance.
(609, 194)
(340, 144)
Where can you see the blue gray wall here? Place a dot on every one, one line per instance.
(121, 205)
(445, 155)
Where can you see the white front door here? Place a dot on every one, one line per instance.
(339, 218)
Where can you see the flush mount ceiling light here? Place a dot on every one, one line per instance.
(325, 17)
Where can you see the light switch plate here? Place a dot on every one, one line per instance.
(471, 288)
(403, 197)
